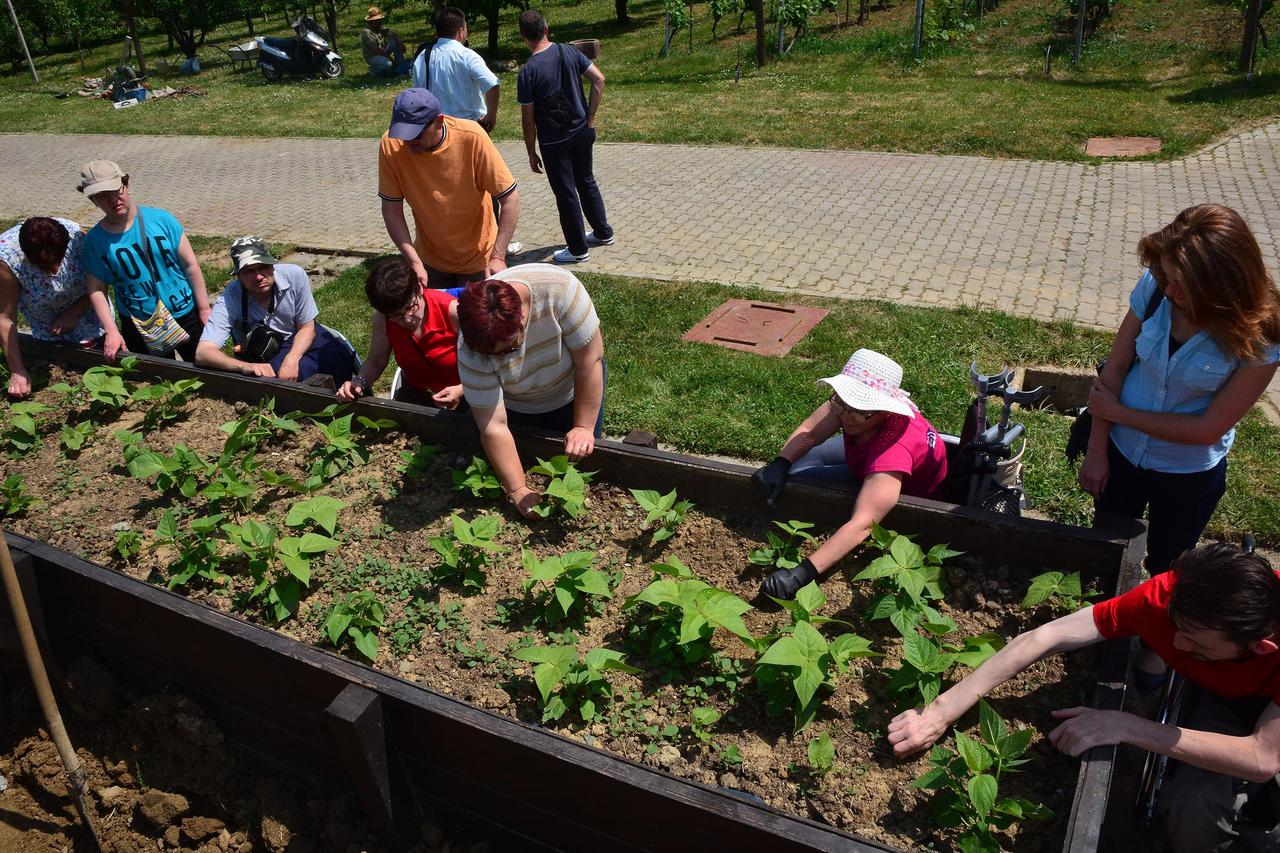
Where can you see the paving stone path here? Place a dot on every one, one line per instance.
(1047, 240)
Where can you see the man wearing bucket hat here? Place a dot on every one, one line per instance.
(144, 255)
(268, 310)
(382, 49)
(868, 433)
(449, 171)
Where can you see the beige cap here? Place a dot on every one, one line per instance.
(98, 176)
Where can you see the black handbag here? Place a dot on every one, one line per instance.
(1082, 426)
(557, 110)
(261, 342)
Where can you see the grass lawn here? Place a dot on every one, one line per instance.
(1162, 68)
(748, 404)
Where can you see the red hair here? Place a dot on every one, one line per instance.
(488, 314)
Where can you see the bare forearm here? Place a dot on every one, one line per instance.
(530, 131)
(491, 104)
(848, 536)
(508, 215)
(303, 338)
(1242, 757)
(500, 446)
(1021, 652)
(588, 392)
(398, 230)
(102, 309)
(804, 439)
(593, 101)
(1167, 426)
(208, 355)
(9, 341)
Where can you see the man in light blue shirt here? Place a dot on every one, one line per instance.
(270, 315)
(456, 74)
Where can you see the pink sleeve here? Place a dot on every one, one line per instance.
(894, 458)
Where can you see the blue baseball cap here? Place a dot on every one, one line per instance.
(413, 110)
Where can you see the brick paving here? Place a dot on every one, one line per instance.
(1047, 240)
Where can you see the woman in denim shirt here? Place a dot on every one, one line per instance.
(1199, 363)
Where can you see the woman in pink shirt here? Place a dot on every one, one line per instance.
(869, 433)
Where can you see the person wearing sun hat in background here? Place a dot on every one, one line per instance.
(868, 433)
(383, 49)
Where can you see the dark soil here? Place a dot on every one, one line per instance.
(161, 777)
(460, 644)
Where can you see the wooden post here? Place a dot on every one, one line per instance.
(22, 40)
(355, 719)
(133, 34)
(760, 47)
(1080, 13)
(919, 34)
(1249, 49)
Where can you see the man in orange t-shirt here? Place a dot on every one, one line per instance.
(449, 172)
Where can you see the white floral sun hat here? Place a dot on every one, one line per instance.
(871, 382)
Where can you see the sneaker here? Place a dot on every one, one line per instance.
(564, 256)
(593, 240)
(514, 247)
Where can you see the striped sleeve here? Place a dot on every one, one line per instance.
(576, 314)
(389, 187)
(480, 384)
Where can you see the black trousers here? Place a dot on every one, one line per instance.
(134, 341)
(568, 167)
(1179, 505)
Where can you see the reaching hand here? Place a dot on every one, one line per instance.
(1086, 728)
(449, 398)
(289, 370)
(770, 480)
(67, 320)
(350, 390)
(785, 583)
(916, 730)
(19, 386)
(525, 499)
(535, 163)
(578, 444)
(264, 369)
(494, 266)
(112, 343)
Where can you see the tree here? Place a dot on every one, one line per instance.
(189, 23)
(491, 11)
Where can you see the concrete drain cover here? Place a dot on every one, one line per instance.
(759, 327)
(1121, 146)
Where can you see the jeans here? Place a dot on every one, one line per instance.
(824, 464)
(134, 342)
(568, 168)
(395, 66)
(1179, 505)
(1204, 811)
(327, 354)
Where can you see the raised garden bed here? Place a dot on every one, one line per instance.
(483, 756)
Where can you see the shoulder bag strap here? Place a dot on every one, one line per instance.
(147, 257)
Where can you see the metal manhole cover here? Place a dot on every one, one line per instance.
(759, 327)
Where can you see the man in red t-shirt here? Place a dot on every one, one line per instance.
(1214, 620)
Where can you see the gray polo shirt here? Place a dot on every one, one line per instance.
(294, 306)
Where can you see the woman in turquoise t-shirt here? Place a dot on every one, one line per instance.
(1185, 377)
(160, 270)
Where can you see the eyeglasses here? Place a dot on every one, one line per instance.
(409, 308)
(842, 407)
(515, 347)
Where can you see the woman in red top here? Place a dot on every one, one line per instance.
(421, 327)
(869, 433)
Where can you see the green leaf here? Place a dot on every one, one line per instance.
(1042, 586)
(705, 717)
(907, 553)
(989, 723)
(336, 625)
(975, 755)
(932, 780)
(923, 654)
(982, 793)
(1015, 744)
(366, 643)
(810, 597)
(168, 526)
(822, 752)
(314, 543)
(321, 509)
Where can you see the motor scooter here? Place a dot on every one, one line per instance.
(308, 53)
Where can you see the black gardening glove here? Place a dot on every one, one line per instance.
(770, 479)
(785, 583)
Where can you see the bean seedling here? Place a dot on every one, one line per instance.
(14, 501)
(22, 435)
(466, 553)
(800, 663)
(357, 618)
(280, 566)
(908, 579)
(783, 553)
(564, 582)
(967, 778)
(926, 661)
(822, 754)
(566, 489)
(566, 682)
(197, 550)
(665, 512)
(1062, 591)
(688, 612)
(478, 479)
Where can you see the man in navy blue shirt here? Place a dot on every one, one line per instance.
(553, 115)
